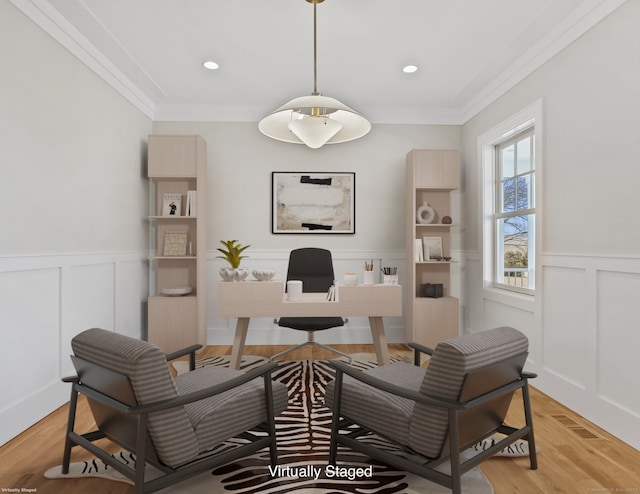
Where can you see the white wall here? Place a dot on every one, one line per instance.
(240, 161)
(583, 323)
(74, 198)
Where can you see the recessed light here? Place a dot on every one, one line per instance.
(409, 69)
(211, 65)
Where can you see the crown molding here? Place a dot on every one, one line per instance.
(557, 40)
(47, 18)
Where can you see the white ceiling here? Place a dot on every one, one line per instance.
(468, 51)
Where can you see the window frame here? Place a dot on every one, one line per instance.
(513, 128)
(501, 214)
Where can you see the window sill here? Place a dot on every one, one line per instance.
(509, 297)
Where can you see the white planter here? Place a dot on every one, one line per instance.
(234, 274)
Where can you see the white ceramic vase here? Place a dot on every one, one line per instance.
(234, 274)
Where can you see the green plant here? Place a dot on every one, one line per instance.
(232, 254)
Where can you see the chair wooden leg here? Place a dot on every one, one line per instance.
(335, 423)
(141, 448)
(533, 458)
(271, 426)
(73, 404)
(456, 482)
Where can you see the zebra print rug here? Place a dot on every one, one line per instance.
(303, 436)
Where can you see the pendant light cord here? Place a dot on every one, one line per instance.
(315, 52)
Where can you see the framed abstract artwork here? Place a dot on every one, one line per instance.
(313, 203)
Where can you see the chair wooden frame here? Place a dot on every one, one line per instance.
(456, 410)
(137, 416)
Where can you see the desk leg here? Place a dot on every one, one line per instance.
(238, 342)
(379, 339)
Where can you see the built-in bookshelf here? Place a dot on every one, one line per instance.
(432, 313)
(177, 302)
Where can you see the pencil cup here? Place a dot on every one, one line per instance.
(367, 277)
(294, 291)
(390, 279)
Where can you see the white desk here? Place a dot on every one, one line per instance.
(247, 299)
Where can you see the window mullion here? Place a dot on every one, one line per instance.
(512, 214)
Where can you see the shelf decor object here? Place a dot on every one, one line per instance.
(177, 292)
(314, 120)
(432, 312)
(171, 204)
(425, 214)
(432, 248)
(175, 243)
(177, 308)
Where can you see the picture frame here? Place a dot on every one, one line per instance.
(171, 204)
(432, 247)
(313, 203)
(175, 244)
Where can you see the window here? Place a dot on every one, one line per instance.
(510, 155)
(514, 218)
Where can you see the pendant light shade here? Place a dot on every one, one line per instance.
(316, 116)
(314, 131)
(314, 120)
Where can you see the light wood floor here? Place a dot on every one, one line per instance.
(575, 456)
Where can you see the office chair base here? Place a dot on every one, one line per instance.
(311, 343)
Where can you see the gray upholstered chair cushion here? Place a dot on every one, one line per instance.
(450, 361)
(222, 416)
(171, 432)
(377, 409)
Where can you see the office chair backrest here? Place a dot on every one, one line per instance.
(461, 369)
(313, 266)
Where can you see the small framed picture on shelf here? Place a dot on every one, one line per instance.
(175, 243)
(171, 204)
(432, 248)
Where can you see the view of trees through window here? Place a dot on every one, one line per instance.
(515, 211)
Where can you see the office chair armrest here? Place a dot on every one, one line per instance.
(528, 375)
(409, 394)
(190, 350)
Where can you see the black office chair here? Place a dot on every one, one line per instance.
(314, 267)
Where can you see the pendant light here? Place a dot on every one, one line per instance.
(314, 120)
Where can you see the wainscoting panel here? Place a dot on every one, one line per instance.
(583, 332)
(29, 318)
(88, 302)
(44, 302)
(618, 339)
(565, 324)
(263, 331)
(132, 290)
